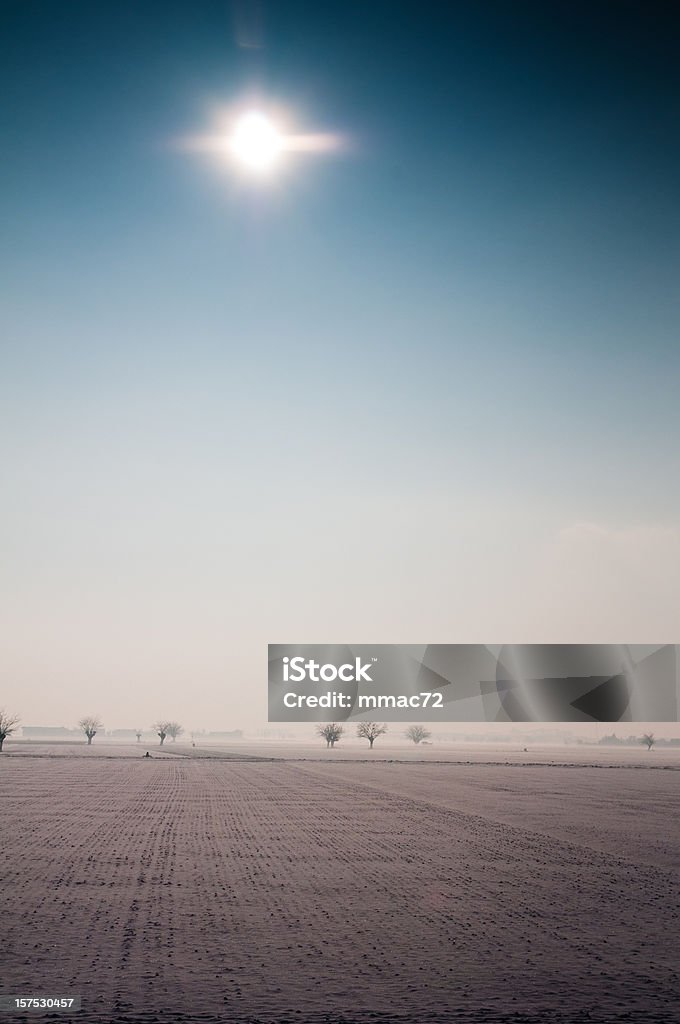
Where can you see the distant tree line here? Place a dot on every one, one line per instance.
(648, 740)
(163, 728)
(90, 725)
(332, 732)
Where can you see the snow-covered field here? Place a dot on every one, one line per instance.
(321, 889)
(481, 753)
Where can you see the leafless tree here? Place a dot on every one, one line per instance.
(90, 726)
(174, 729)
(331, 732)
(649, 740)
(417, 733)
(138, 734)
(161, 728)
(8, 724)
(370, 731)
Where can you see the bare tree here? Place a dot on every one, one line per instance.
(331, 732)
(174, 729)
(138, 734)
(90, 726)
(417, 733)
(370, 731)
(161, 728)
(649, 740)
(8, 724)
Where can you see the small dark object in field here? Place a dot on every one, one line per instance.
(147, 754)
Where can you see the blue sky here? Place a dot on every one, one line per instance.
(352, 404)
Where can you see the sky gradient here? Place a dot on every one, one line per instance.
(423, 390)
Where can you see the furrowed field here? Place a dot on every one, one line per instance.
(196, 887)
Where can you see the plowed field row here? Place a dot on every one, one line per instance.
(176, 890)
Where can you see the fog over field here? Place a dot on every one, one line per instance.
(419, 388)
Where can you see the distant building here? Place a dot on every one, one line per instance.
(55, 731)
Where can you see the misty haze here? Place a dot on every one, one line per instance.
(334, 323)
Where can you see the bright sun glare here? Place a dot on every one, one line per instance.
(256, 142)
(259, 144)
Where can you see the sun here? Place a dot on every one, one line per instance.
(256, 143)
(259, 141)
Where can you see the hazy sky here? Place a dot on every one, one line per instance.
(422, 390)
